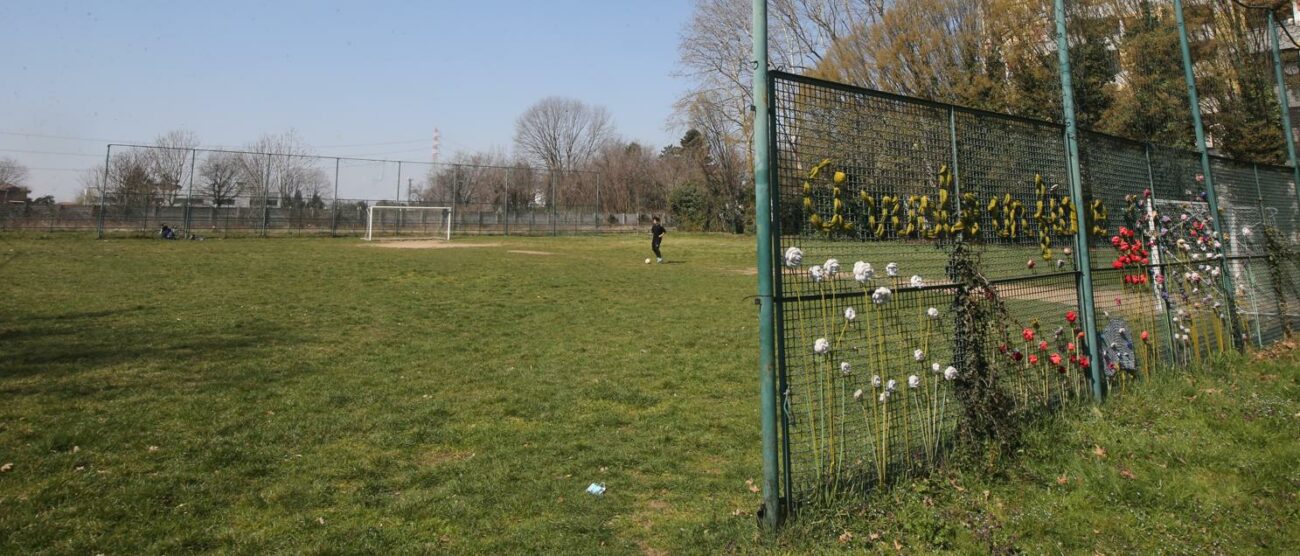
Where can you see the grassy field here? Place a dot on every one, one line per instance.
(323, 396)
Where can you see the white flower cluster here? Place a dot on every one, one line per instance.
(793, 257)
(862, 272)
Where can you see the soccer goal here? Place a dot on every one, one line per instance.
(408, 222)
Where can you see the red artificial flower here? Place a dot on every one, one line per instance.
(1074, 358)
(1069, 346)
(1017, 356)
(1071, 316)
(1055, 358)
(1147, 193)
(1031, 264)
(1042, 345)
(1083, 361)
(1117, 264)
(1145, 335)
(1114, 240)
(1028, 333)
(1060, 370)
(1002, 348)
(1033, 359)
(1079, 335)
(1145, 261)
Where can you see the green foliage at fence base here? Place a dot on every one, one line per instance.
(1192, 461)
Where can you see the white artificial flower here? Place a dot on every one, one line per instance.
(831, 268)
(1214, 272)
(862, 272)
(936, 368)
(913, 381)
(1218, 244)
(1196, 256)
(891, 269)
(918, 355)
(881, 295)
(1060, 263)
(891, 385)
(846, 368)
(817, 273)
(821, 346)
(917, 281)
(793, 257)
(932, 313)
(850, 314)
(857, 395)
(884, 397)
(1245, 231)
(950, 373)
(875, 381)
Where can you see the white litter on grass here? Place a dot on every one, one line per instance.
(596, 489)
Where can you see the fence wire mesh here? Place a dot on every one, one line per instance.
(874, 190)
(217, 193)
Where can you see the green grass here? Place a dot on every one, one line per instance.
(320, 396)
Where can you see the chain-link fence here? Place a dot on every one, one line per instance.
(876, 190)
(220, 193)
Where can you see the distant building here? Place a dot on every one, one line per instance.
(14, 194)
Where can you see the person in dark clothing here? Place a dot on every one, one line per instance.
(657, 236)
(167, 232)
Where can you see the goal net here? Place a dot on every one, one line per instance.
(393, 222)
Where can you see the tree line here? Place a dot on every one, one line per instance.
(1000, 55)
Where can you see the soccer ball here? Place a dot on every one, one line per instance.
(647, 260)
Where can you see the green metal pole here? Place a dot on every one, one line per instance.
(1284, 103)
(1083, 284)
(763, 223)
(1211, 197)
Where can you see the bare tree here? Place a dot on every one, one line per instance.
(12, 172)
(280, 166)
(562, 134)
(470, 178)
(171, 162)
(220, 173)
(716, 49)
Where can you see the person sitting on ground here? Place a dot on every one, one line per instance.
(167, 232)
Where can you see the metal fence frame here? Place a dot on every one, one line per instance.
(501, 200)
(987, 154)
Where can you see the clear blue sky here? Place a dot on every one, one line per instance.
(354, 73)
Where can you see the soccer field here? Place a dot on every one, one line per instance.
(330, 395)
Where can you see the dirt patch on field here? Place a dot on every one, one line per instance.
(430, 244)
(745, 271)
(523, 252)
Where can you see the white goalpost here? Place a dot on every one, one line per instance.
(414, 219)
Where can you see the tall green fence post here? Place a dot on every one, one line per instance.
(1083, 278)
(763, 223)
(1211, 197)
(1284, 103)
